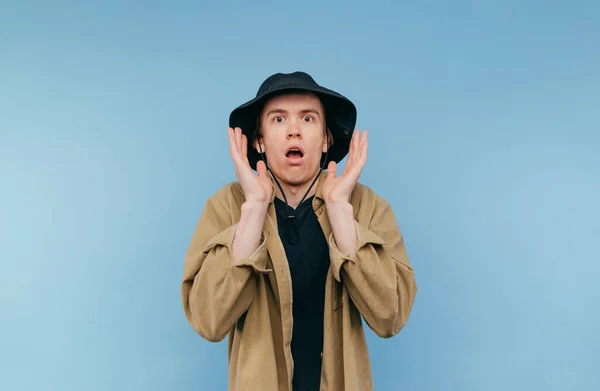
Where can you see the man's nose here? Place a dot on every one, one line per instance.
(294, 130)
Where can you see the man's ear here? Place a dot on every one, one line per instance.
(328, 138)
(258, 146)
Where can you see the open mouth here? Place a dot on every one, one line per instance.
(294, 153)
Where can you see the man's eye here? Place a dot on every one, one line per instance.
(278, 119)
(308, 118)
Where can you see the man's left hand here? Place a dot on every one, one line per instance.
(337, 190)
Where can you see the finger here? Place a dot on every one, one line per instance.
(358, 143)
(360, 138)
(355, 146)
(234, 152)
(360, 164)
(350, 155)
(355, 171)
(352, 148)
(331, 169)
(232, 147)
(245, 149)
(261, 169)
(365, 147)
(238, 139)
(360, 151)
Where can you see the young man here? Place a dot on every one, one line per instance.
(288, 261)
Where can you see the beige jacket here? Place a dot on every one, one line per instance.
(252, 300)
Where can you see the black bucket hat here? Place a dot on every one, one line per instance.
(340, 112)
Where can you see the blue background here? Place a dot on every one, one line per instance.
(484, 136)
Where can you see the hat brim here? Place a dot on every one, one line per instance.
(340, 115)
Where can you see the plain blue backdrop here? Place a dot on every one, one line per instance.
(484, 136)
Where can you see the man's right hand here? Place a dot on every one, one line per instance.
(257, 188)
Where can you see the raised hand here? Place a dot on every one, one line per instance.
(257, 188)
(336, 189)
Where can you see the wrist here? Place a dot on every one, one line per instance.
(342, 221)
(339, 207)
(254, 207)
(340, 214)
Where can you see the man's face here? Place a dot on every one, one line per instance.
(293, 137)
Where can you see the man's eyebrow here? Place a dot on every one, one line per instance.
(313, 111)
(282, 111)
(275, 111)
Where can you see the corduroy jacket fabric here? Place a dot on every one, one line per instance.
(251, 301)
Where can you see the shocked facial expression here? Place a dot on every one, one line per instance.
(293, 137)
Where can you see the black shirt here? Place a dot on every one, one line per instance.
(308, 257)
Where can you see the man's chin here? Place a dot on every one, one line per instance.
(296, 177)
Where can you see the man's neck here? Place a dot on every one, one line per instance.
(294, 194)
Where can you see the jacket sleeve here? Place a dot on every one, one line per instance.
(215, 292)
(379, 278)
